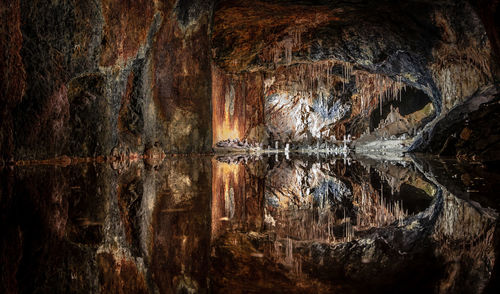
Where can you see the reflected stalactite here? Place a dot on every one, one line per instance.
(194, 224)
(175, 243)
(309, 203)
(373, 210)
(303, 203)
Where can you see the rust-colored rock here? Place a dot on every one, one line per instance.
(126, 24)
(119, 276)
(465, 134)
(246, 31)
(237, 106)
(12, 81)
(181, 71)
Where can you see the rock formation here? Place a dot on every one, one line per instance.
(83, 78)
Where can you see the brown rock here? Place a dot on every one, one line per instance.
(12, 81)
(119, 276)
(181, 75)
(465, 134)
(125, 30)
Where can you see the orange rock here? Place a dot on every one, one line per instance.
(126, 26)
(465, 134)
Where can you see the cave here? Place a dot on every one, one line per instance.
(231, 146)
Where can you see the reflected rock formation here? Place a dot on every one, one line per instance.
(232, 224)
(235, 146)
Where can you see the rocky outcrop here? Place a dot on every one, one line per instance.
(423, 47)
(444, 246)
(468, 131)
(105, 74)
(83, 78)
(204, 224)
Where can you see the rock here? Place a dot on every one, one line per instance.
(465, 134)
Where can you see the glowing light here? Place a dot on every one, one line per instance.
(226, 181)
(226, 108)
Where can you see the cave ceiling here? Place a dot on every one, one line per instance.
(438, 47)
(367, 33)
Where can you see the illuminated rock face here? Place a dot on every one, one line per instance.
(450, 62)
(237, 106)
(80, 79)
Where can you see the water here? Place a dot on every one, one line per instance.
(243, 224)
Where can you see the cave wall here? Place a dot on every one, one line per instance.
(84, 78)
(237, 106)
(489, 13)
(182, 78)
(13, 80)
(388, 38)
(87, 78)
(469, 131)
(470, 88)
(439, 47)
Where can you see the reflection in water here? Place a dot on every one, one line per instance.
(241, 224)
(305, 201)
(311, 202)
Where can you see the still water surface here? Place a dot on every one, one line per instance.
(239, 224)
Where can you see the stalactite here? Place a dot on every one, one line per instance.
(379, 88)
(292, 40)
(313, 84)
(288, 46)
(346, 74)
(308, 79)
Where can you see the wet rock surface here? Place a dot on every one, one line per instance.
(237, 225)
(417, 43)
(110, 112)
(468, 132)
(81, 78)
